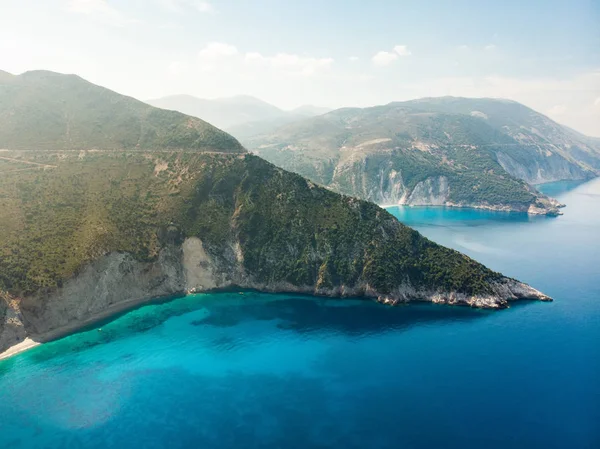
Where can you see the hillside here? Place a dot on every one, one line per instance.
(87, 232)
(309, 110)
(444, 151)
(46, 110)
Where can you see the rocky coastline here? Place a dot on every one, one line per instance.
(117, 282)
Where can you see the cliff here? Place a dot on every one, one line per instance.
(100, 231)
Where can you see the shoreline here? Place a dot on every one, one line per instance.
(115, 310)
(23, 346)
(111, 312)
(476, 207)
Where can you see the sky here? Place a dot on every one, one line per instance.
(334, 53)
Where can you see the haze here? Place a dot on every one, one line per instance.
(545, 54)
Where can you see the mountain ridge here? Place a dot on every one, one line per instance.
(223, 112)
(46, 110)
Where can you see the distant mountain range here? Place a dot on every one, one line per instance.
(480, 153)
(240, 115)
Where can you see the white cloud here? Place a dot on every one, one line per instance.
(402, 50)
(289, 63)
(254, 56)
(353, 58)
(597, 102)
(216, 50)
(182, 5)
(558, 109)
(463, 47)
(99, 10)
(489, 47)
(383, 58)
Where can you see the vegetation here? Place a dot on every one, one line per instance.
(57, 219)
(49, 111)
(353, 150)
(89, 172)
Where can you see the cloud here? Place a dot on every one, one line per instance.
(215, 50)
(203, 6)
(597, 102)
(558, 109)
(99, 10)
(489, 47)
(176, 68)
(289, 63)
(181, 6)
(402, 50)
(383, 58)
(254, 56)
(353, 58)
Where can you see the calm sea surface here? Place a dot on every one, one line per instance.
(281, 371)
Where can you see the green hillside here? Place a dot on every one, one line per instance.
(486, 151)
(58, 218)
(44, 110)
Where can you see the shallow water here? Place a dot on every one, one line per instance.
(255, 370)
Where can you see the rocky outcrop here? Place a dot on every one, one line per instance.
(116, 281)
(435, 191)
(12, 330)
(431, 192)
(504, 291)
(545, 168)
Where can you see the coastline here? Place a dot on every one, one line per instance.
(109, 313)
(507, 290)
(533, 211)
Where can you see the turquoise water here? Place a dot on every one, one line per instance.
(281, 371)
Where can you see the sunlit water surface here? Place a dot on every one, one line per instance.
(281, 371)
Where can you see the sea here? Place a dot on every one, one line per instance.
(250, 370)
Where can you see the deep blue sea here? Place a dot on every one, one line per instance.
(281, 371)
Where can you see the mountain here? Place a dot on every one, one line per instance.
(308, 110)
(45, 110)
(249, 129)
(439, 151)
(88, 230)
(242, 116)
(222, 112)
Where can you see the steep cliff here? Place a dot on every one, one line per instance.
(486, 150)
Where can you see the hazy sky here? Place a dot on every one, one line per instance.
(333, 53)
